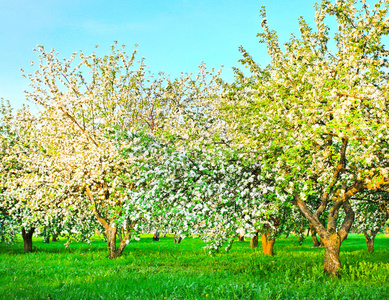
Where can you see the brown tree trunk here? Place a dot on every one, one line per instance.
(156, 236)
(241, 238)
(370, 240)
(254, 241)
(115, 252)
(315, 240)
(332, 244)
(54, 237)
(111, 231)
(267, 245)
(111, 241)
(328, 236)
(46, 239)
(27, 239)
(177, 238)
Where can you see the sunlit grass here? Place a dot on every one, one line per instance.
(149, 270)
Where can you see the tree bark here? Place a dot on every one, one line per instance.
(115, 252)
(111, 241)
(370, 240)
(254, 241)
(27, 239)
(177, 238)
(54, 237)
(315, 240)
(332, 263)
(125, 240)
(267, 245)
(241, 238)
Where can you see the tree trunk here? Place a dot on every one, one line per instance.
(254, 241)
(111, 231)
(177, 238)
(267, 245)
(332, 264)
(315, 240)
(241, 238)
(156, 236)
(370, 240)
(115, 252)
(27, 239)
(46, 239)
(111, 241)
(54, 237)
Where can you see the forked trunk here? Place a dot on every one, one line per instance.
(254, 241)
(115, 252)
(331, 256)
(46, 239)
(267, 245)
(241, 238)
(110, 228)
(328, 236)
(27, 239)
(370, 240)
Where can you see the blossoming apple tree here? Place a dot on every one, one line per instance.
(29, 197)
(105, 118)
(317, 115)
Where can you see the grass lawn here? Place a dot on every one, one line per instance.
(164, 270)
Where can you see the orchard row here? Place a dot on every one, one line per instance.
(300, 143)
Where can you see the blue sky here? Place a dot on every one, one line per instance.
(173, 35)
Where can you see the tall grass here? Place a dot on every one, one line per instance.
(164, 270)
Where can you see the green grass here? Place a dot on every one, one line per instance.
(164, 270)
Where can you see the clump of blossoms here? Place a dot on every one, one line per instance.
(198, 193)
